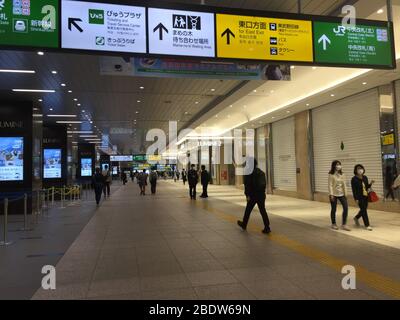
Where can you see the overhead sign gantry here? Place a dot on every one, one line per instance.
(155, 29)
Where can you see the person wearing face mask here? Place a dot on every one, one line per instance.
(360, 185)
(338, 191)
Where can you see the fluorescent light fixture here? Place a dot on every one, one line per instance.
(16, 71)
(61, 115)
(37, 115)
(69, 122)
(33, 90)
(89, 136)
(79, 132)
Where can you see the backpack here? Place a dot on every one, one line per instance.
(260, 180)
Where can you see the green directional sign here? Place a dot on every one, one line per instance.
(363, 45)
(30, 23)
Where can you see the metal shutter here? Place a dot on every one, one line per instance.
(355, 122)
(398, 112)
(261, 149)
(284, 155)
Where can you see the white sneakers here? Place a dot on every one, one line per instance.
(343, 227)
(369, 229)
(335, 227)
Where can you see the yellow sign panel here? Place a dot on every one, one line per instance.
(154, 158)
(258, 38)
(388, 140)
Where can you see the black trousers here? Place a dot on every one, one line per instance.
(390, 193)
(205, 194)
(192, 191)
(98, 189)
(106, 189)
(258, 200)
(343, 201)
(363, 204)
(153, 187)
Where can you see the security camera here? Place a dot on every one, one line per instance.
(118, 67)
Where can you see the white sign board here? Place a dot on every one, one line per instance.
(103, 27)
(121, 158)
(181, 33)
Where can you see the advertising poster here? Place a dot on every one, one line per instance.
(52, 163)
(86, 167)
(11, 159)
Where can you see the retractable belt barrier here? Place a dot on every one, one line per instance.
(44, 200)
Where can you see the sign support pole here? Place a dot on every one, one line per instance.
(389, 5)
(299, 7)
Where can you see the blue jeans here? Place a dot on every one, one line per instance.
(345, 205)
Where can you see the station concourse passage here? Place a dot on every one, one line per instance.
(169, 247)
(111, 111)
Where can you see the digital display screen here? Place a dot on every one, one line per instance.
(86, 167)
(115, 170)
(52, 163)
(11, 159)
(121, 158)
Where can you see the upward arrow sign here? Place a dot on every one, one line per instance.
(325, 40)
(161, 28)
(228, 33)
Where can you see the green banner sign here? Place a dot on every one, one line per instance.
(362, 45)
(32, 23)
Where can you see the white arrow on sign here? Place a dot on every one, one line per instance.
(325, 40)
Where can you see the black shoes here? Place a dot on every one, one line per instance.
(266, 231)
(240, 224)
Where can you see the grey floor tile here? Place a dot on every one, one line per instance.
(234, 291)
(176, 294)
(116, 287)
(208, 278)
(190, 266)
(167, 282)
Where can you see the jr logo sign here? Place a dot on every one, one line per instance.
(96, 16)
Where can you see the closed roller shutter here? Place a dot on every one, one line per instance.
(398, 112)
(284, 155)
(349, 131)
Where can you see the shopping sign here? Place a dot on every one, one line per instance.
(200, 32)
(363, 45)
(31, 23)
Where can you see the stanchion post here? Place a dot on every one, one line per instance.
(5, 242)
(52, 196)
(26, 228)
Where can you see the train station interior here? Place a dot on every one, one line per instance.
(109, 110)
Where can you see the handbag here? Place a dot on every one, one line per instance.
(372, 196)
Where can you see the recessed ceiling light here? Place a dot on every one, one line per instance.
(40, 100)
(212, 90)
(255, 91)
(16, 71)
(75, 99)
(307, 104)
(380, 11)
(288, 111)
(364, 83)
(273, 117)
(196, 102)
(83, 111)
(272, 91)
(51, 109)
(33, 90)
(141, 88)
(54, 72)
(138, 101)
(63, 85)
(40, 53)
(78, 104)
(314, 68)
(292, 67)
(332, 95)
(231, 106)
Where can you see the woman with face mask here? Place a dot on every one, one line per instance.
(338, 191)
(360, 185)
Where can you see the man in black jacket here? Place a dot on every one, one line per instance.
(205, 180)
(255, 190)
(193, 179)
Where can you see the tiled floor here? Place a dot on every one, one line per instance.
(168, 247)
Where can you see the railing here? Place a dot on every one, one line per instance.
(44, 199)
